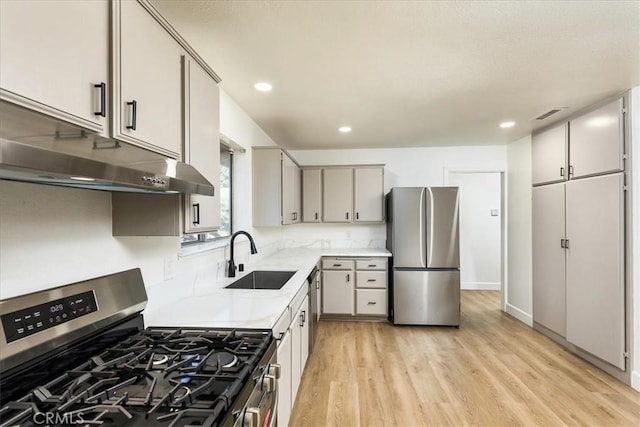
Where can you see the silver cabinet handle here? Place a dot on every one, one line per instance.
(371, 280)
(371, 303)
(347, 215)
(562, 171)
(372, 265)
(566, 243)
(337, 265)
(348, 277)
(570, 170)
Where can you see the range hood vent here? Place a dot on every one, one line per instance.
(38, 149)
(550, 112)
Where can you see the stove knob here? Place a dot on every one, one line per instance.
(274, 369)
(267, 383)
(251, 417)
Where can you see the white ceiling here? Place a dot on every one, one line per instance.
(411, 73)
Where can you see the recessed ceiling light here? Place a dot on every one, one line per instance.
(82, 178)
(263, 87)
(507, 124)
(344, 129)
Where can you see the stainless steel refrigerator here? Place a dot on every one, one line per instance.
(422, 235)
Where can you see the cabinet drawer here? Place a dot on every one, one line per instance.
(371, 301)
(337, 264)
(372, 264)
(371, 279)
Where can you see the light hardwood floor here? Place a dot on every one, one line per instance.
(493, 371)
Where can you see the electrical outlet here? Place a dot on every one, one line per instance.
(170, 267)
(494, 212)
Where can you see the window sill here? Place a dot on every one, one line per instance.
(198, 248)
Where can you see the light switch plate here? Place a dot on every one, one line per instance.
(494, 212)
(170, 267)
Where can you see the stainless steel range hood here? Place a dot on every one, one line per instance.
(35, 148)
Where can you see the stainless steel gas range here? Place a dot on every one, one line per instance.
(80, 355)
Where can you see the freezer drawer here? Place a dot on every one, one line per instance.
(426, 297)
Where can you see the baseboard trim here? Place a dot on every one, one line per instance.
(520, 315)
(635, 380)
(480, 286)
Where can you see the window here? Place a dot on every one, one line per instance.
(226, 201)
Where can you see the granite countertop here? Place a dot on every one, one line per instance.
(213, 306)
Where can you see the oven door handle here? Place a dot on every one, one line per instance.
(274, 409)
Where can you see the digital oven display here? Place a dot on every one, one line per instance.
(29, 321)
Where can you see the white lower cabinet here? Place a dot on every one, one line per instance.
(371, 301)
(337, 292)
(293, 351)
(284, 383)
(354, 286)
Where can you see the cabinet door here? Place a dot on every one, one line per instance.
(288, 177)
(284, 382)
(596, 142)
(595, 266)
(54, 53)
(337, 292)
(549, 155)
(549, 300)
(305, 314)
(202, 146)
(149, 94)
(296, 367)
(369, 194)
(311, 195)
(337, 195)
(297, 194)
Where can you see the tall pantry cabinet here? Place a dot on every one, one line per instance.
(579, 233)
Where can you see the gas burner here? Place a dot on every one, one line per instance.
(223, 359)
(160, 359)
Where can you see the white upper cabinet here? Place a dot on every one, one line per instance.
(311, 195)
(297, 194)
(596, 143)
(368, 194)
(276, 188)
(202, 145)
(337, 197)
(54, 59)
(147, 81)
(291, 191)
(549, 155)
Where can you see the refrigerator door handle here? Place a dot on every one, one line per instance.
(422, 234)
(428, 219)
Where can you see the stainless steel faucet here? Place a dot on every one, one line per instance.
(231, 271)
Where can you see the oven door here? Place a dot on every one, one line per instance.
(261, 407)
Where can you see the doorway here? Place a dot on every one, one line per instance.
(481, 228)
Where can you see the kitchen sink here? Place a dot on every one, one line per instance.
(262, 280)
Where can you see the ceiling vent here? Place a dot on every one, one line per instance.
(550, 112)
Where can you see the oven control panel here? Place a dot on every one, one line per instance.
(31, 320)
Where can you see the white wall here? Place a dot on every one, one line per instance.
(480, 231)
(425, 166)
(519, 242)
(50, 236)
